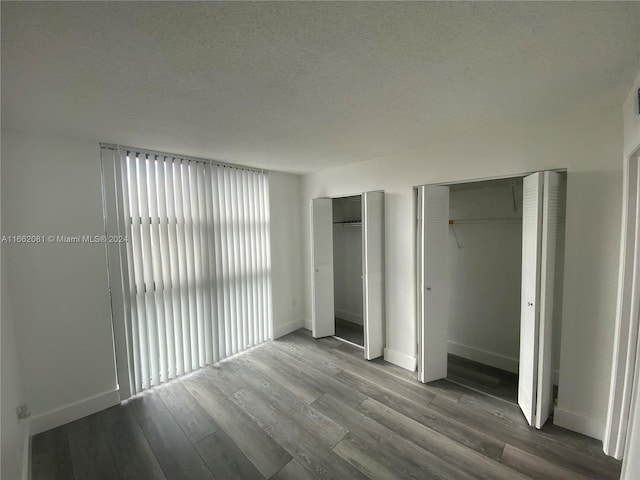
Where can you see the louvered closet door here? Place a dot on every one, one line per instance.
(627, 316)
(433, 285)
(539, 246)
(550, 206)
(323, 317)
(373, 273)
(530, 297)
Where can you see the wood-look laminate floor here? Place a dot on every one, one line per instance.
(483, 378)
(299, 409)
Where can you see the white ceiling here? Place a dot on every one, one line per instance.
(306, 86)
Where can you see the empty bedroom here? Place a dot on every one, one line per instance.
(319, 240)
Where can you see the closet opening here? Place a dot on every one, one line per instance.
(348, 271)
(485, 271)
(490, 257)
(347, 260)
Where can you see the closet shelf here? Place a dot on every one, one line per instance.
(352, 224)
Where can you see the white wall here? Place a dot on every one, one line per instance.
(631, 119)
(51, 186)
(485, 275)
(589, 145)
(286, 251)
(14, 449)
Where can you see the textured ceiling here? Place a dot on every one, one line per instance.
(306, 86)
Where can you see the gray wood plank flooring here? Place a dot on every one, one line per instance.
(300, 408)
(484, 378)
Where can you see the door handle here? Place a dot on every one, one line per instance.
(529, 304)
(428, 289)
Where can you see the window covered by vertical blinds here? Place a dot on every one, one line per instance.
(191, 283)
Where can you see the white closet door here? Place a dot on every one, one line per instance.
(627, 319)
(550, 206)
(530, 298)
(539, 245)
(433, 285)
(373, 273)
(323, 320)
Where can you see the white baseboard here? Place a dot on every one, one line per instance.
(490, 358)
(287, 328)
(578, 423)
(349, 316)
(400, 359)
(48, 420)
(26, 453)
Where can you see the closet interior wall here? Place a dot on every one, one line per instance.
(347, 258)
(485, 249)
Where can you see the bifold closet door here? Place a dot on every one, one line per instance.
(322, 310)
(539, 241)
(625, 348)
(373, 273)
(432, 284)
(529, 298)
(550, 219)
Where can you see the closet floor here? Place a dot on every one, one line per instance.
(350, 332)
(483, 378)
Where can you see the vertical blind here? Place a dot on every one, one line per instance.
(194, 271)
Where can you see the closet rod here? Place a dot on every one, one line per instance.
(471, 221)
